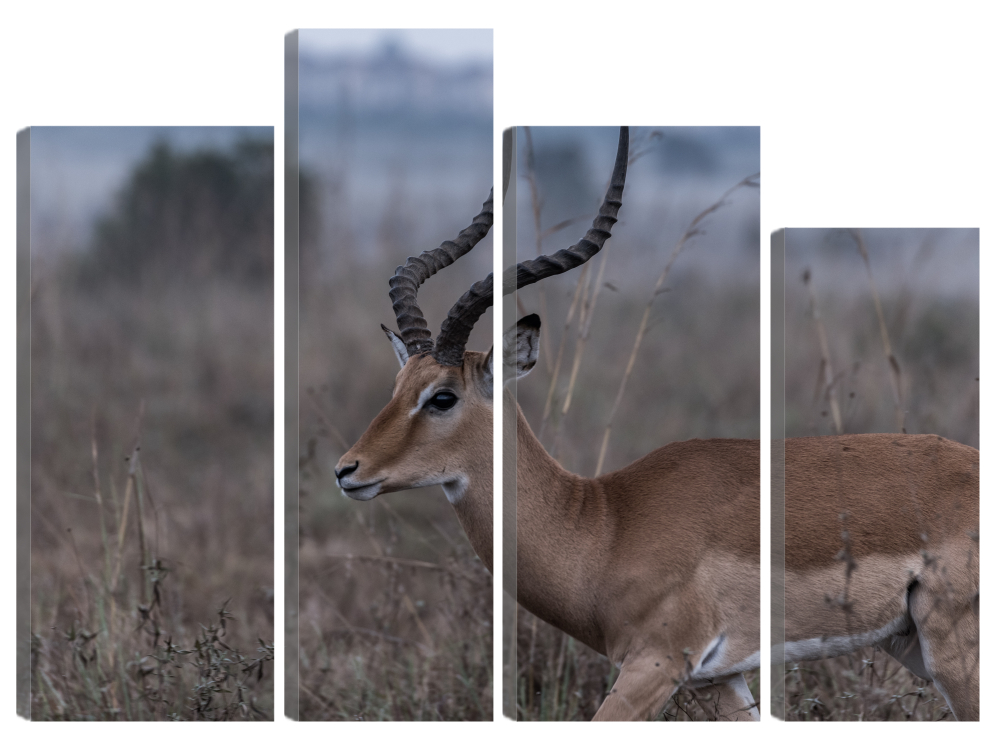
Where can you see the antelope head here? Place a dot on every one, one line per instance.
(438, 426)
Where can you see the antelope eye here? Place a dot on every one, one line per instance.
(443, 400)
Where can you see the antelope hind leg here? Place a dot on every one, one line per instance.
(948, 630)
(727, 699)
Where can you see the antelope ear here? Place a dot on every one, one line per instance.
(520, 348)
(397, 346)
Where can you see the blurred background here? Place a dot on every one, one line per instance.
(927, 283)
(152, 329)
(396, 155)
(922, 285)
(697, 370)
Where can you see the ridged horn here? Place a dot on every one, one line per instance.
(406, 281)
(529, 271)
(457, 326)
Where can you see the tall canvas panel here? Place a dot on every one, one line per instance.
(389, 526)
(632, 412)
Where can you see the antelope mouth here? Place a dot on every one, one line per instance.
(361, 491)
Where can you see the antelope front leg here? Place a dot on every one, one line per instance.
(642, 689)
(727, 699)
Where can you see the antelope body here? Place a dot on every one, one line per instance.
(655, 565)
(882, 548)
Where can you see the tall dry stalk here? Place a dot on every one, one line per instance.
(590, 303)
(98, 496)
(586, 317)
(693, 229)
(587, 307)
(639, 149)
(133, 468)
(826, 366)
(895, 373)
(554, 380)
(553, 368)
(536, 211)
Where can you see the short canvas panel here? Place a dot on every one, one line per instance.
(877, 601)
(636, 362)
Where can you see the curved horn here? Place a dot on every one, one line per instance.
(536, 269)
(408, 278)
(455, 331)
(450, 347)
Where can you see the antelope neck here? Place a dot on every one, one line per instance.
(559, 538)
(474, 508)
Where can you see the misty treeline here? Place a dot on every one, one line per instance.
(188, 216)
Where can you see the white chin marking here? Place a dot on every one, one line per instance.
(362, 493)
(454, 489)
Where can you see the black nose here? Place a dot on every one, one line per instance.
(346, 470)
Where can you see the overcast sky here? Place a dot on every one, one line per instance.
(454, 46)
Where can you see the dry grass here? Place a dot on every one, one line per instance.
(681, 353)
(868, 685)
(125, 559)
(387, 635)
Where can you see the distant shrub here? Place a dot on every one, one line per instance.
(189, 216)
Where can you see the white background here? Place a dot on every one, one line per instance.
(872, 114)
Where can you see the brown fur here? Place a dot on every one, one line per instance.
(903, 510)
(647, 564)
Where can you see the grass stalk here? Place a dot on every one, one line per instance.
(587, 307)
(826, 365)
(586, 317)
(553, 381)
(895, 372)
(129, 484)
(536, 210)
(693, 230)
